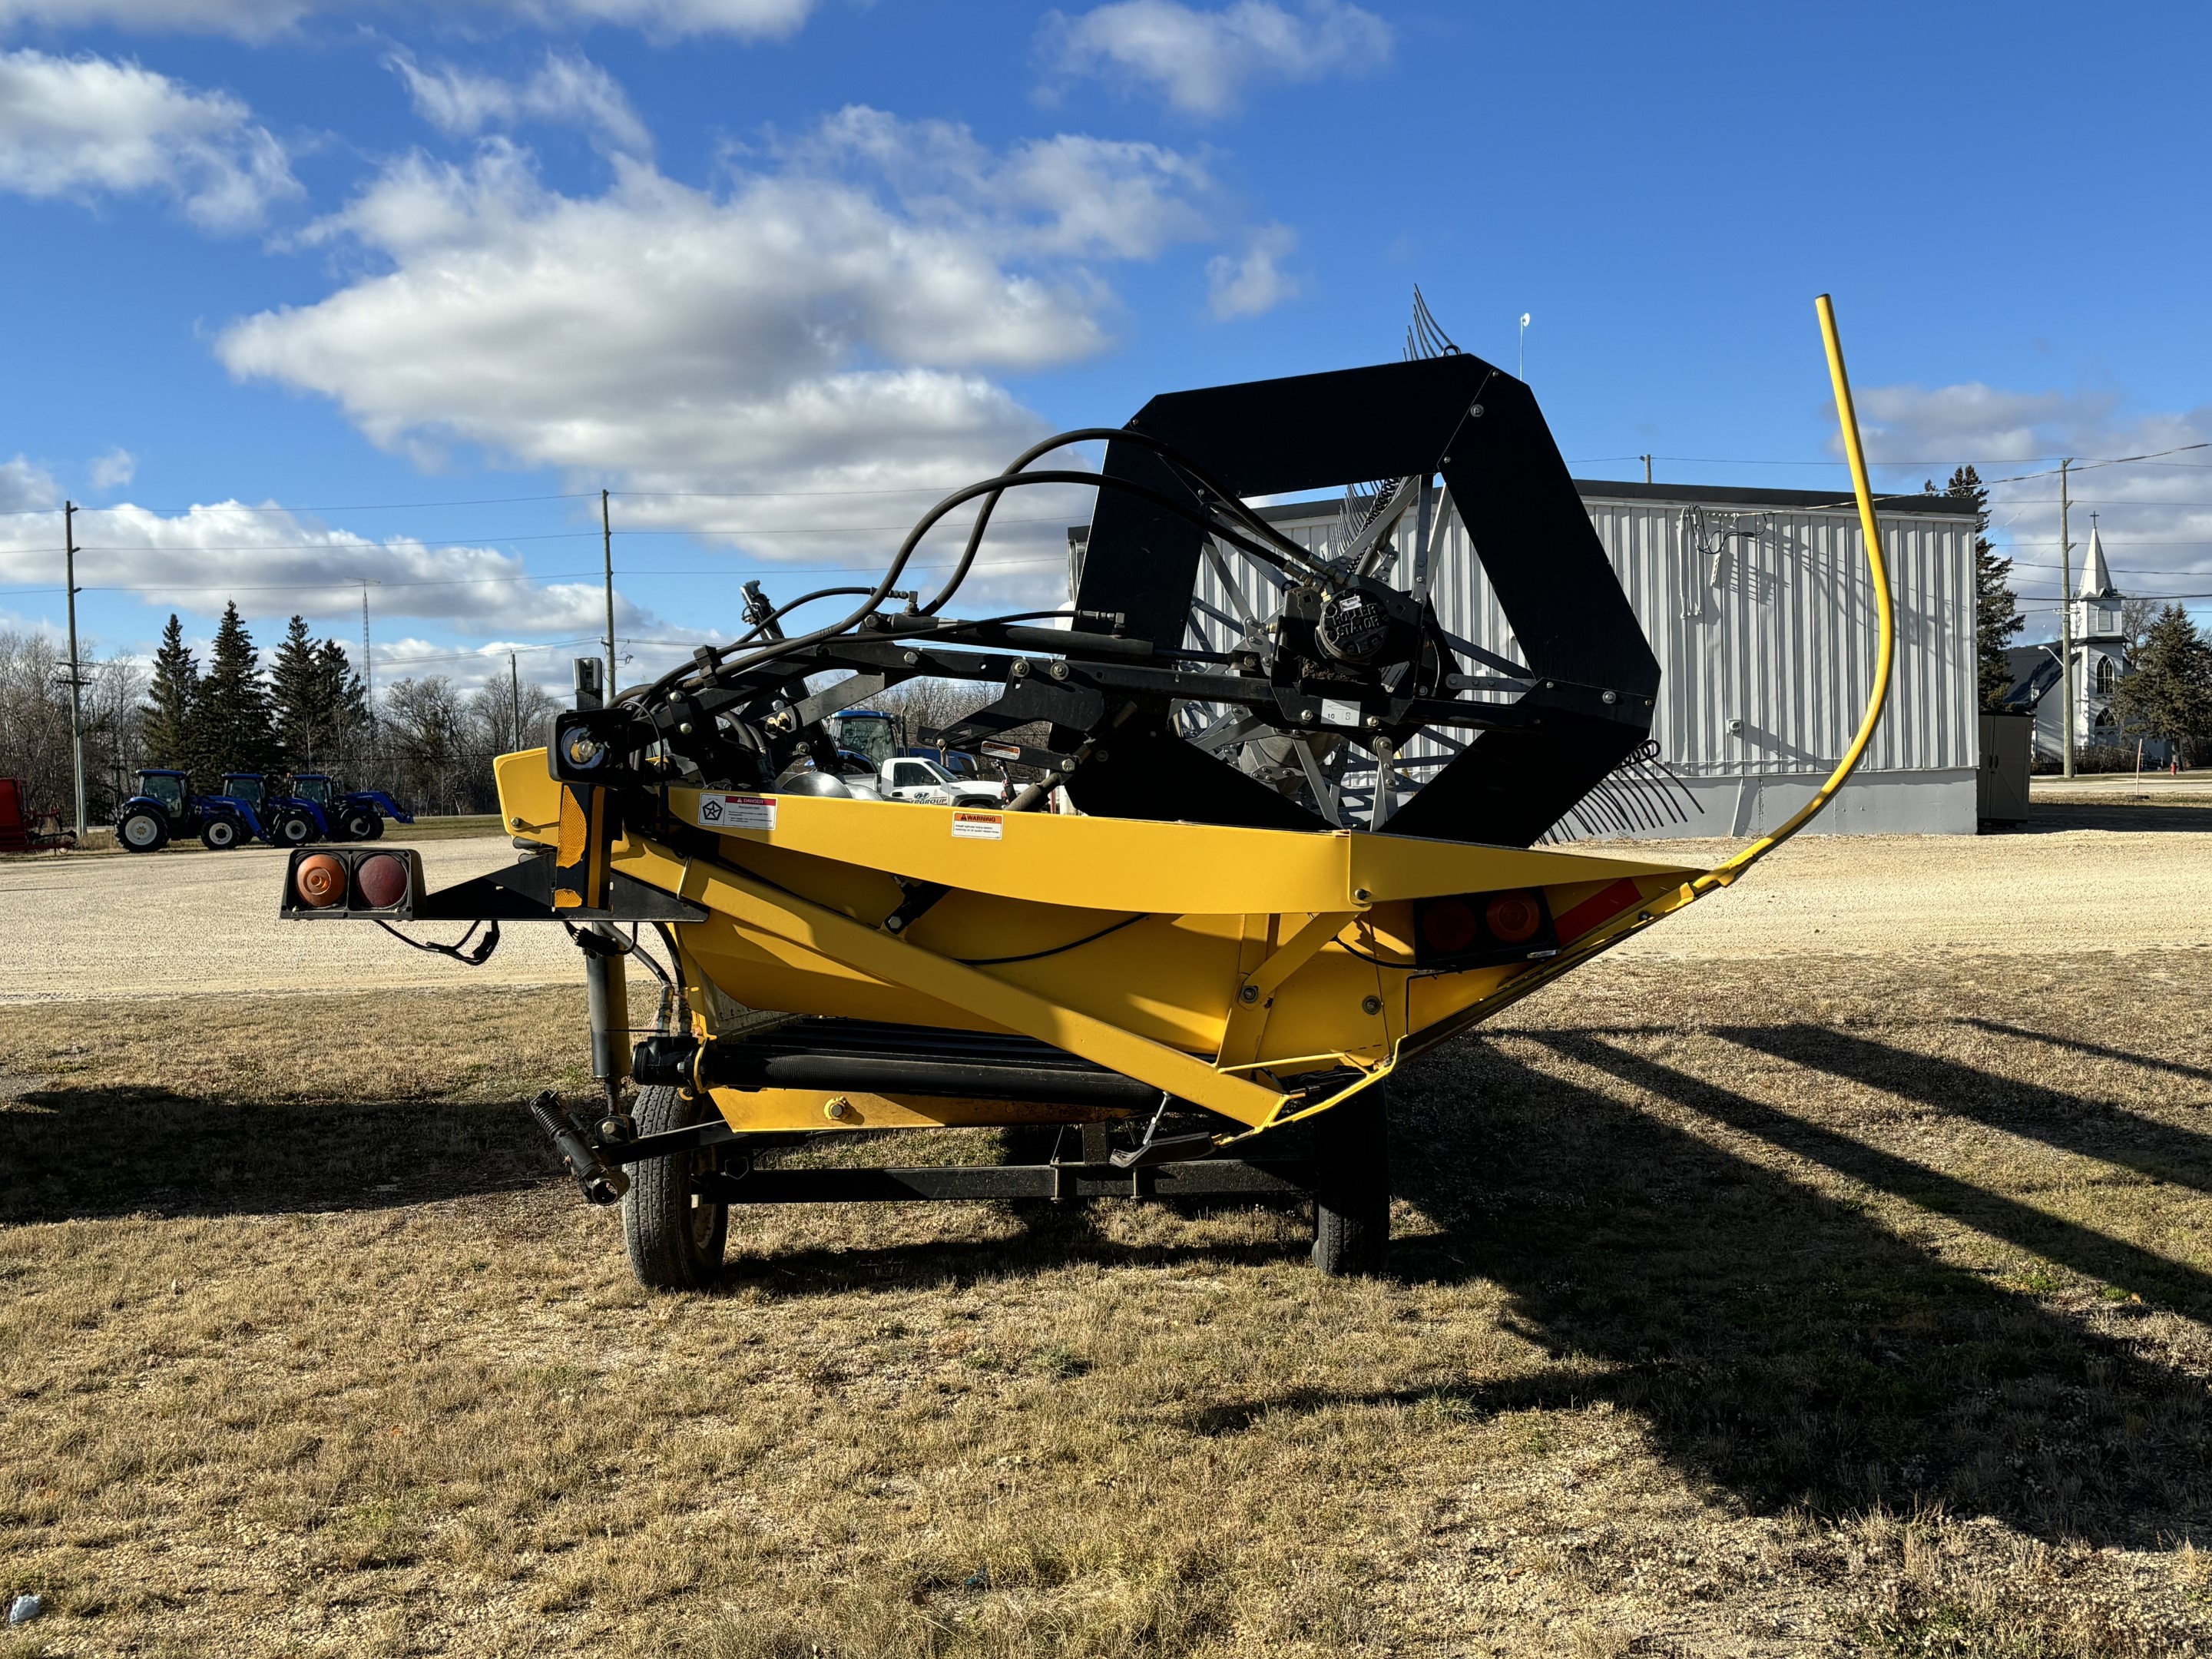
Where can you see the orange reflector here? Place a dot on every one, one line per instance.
(382, 880)
(1513, 918)
(320, 881)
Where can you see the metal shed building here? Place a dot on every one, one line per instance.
(1759, 608)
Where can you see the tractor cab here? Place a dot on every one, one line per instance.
(248, 786)
(867, 733)
(172, 789)
(312, 787)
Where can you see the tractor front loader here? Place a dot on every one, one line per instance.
(1198, 982)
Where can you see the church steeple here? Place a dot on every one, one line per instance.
(2096, 575)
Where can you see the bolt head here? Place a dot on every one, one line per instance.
(1370, 1004)
(1248, 995)
(685, 728)
(836, 1109)
(1361, 895)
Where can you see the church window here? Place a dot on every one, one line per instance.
(2104, 676)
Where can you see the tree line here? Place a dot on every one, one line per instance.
(306, 709)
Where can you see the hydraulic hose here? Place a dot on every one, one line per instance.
(1722, 874)
(1878, 568)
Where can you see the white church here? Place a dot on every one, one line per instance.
(2100, 660)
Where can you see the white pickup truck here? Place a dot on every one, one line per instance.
(910, 778)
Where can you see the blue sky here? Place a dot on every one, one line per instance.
(320, 291)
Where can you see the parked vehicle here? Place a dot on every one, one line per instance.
(338, 814)
(919, 778)
(163, 808)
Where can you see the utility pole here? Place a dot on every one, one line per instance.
(76, 677)
(2066, 611)
(514, 698)
(367, 662)
(607, 547)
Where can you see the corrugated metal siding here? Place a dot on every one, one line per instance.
(1778, 632)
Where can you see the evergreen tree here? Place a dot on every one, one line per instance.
(343, 703)
(301, 723)
(237, 730)
(2167, 690)
(171, 713)
(1996, 611)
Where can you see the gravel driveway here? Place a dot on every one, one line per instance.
(199, 922)
(193, 921)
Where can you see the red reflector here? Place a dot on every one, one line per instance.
(1514, 918)
(1448, 926)
(383, 881)
(320, 881)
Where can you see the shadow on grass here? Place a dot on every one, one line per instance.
(2065, 1122)
(88, 1152)
(1782, 1345)
(1050, 1236)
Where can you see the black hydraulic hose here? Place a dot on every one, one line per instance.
(928, 520)
(1123, 434)
(1284, 549)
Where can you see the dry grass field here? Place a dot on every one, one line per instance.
(1812, 1303)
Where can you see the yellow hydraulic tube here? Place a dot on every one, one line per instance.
(1723, 873)
(1878, 567)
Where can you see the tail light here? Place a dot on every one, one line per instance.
(320, 881)
(1482, 930)
(353, 881)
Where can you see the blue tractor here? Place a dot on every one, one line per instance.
(330, 813)
(165, 808)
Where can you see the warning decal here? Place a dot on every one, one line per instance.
(978, 826)
(737, 811)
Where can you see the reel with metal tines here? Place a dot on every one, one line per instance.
(1639, 796)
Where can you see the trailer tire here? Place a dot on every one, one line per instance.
(676, 1240)
(143, 831)
(1352, 1190)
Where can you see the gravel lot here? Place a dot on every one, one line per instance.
(194, 921)
(200, 922)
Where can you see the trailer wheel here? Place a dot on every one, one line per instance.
(143, 831)
(675, 1237)
(1352, 1194)
(220, 833)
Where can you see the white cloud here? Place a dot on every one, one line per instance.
(274, 561)
(567, 90)
(828, 323)
(2155, 518)
(1201, 61)
(114, 469)
(87, 126)
(26, 487)
(256, 20)
(1253, 282)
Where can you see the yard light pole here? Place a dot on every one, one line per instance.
(2066, 609)
(76, 676)
(607, 547)
(1521, 355)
